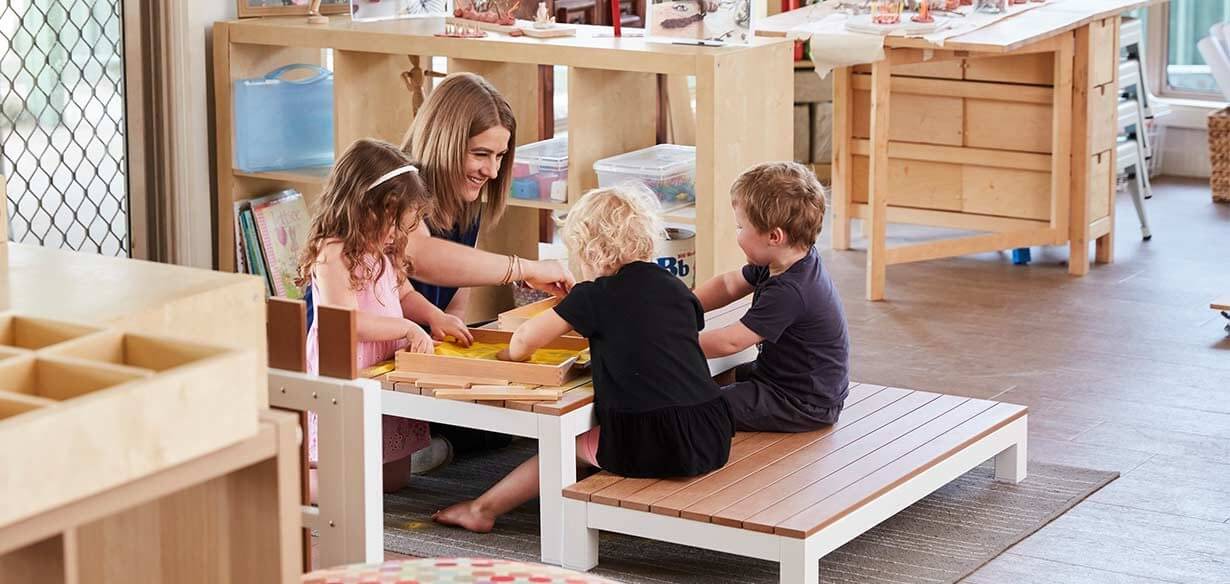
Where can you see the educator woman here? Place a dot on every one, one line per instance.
(464, 137)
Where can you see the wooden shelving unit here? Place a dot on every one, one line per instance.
(742, 109)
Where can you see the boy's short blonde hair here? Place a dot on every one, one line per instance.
(614, 226)
(782, 195)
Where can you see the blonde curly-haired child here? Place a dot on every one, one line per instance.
(660, 413)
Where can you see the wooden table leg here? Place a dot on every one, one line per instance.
(877, 246)
(557, 469)
(1078, 227)
(843, 119)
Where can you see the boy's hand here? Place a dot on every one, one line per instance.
(445, 325)
(420, 341)
(506, 355)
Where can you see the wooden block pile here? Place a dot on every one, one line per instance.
(813, 121)
(494, 392)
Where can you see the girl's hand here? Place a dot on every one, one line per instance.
(506, 355)
(420, 341)
(444, 325)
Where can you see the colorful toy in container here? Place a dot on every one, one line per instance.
(541, 171)
(668, 170)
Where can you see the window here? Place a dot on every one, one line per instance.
(1175, 27)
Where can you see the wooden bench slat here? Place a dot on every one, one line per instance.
(901, 443)
(850, 451)
(584, 489)
(709, 508)
(644, 500)
(845, 501)
(1221, 303)
(753, 445)
(674, 502)
(617, 494)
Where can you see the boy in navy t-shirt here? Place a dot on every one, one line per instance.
(800, 379)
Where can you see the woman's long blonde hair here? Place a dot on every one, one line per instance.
(359, 213)
(464, 105)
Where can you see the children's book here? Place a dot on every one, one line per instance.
(282, 223)
(256, 261)
(241, 250)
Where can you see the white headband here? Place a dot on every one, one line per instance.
(393, 173)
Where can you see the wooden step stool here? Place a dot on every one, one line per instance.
(793, 498)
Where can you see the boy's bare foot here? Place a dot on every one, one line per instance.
(465, 514)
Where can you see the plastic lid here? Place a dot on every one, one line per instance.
(551, 153)
(663, 159)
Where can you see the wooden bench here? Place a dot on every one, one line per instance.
(1222, 304)
(793, 498)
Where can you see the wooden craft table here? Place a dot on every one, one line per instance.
(349, 516)
(613, 108)
(1009, 130)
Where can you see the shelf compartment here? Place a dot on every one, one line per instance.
(24, 332)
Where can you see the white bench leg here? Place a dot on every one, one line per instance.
(1010, 464)
(799, 564)
(580, 542)
(557, 469)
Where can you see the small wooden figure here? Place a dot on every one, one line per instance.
(314, 15)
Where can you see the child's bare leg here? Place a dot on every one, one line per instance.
(479, 515)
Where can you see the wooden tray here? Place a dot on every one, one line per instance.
(550, 375)
(85, 414)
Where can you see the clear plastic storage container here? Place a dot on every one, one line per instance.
(282, 123)
(667, 169)
(540, 172)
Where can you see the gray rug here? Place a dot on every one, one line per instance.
(942, 538)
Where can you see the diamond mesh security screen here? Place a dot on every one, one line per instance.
(62, 132)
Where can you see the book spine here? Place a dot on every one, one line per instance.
(255, 256)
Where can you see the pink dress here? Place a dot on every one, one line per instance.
(402, 437)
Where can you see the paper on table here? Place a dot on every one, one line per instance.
(833, 46)
(975, 20)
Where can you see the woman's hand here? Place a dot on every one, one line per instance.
(444, 325)
(506, 355)
(552, 277)
(420, 341)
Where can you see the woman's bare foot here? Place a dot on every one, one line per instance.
(466, 514)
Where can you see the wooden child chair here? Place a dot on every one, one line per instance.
(335, 395)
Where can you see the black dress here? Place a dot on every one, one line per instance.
(661, 413)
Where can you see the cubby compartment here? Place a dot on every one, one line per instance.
(96, 409)
(24, 332)
(62, 379)
(134, 350)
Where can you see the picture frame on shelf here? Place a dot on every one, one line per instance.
(255, 8)
(372, 10)
(700, 22)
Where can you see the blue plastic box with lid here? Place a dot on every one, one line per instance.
(283, 123)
